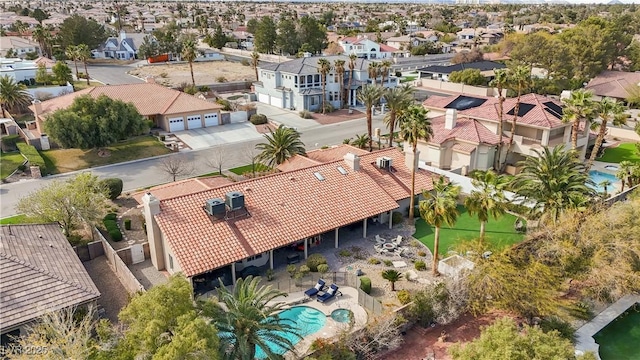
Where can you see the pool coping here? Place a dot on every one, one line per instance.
(584, 336)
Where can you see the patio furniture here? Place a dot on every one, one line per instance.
(378, 248)
(293, 258)
(398, 251)
(380, 240)
(316, 289)
(389, 246)
(333, 291)
(398, 240)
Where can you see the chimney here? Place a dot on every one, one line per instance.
(151, 206)
(409, 160)
(450, 119)
(123, 35)
(353, 161)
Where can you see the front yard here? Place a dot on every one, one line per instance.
(66, 160)
(622, 152)
(9, 162)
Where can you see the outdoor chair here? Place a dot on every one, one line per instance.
(316, 289)
(380, 240)
(398, 251)
(333, 291)
(398, 240)
(378, 248)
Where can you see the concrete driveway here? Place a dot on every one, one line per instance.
(218, 135)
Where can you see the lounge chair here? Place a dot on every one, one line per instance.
(333, 291)
(380, 240)
(316, 289)
(398, 240)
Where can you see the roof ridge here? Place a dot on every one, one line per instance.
(240, 237)
(171, 102)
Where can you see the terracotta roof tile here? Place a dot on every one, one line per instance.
(334, 153)
(464, 147)
(613, 83)
(182, 187)
(297, 162)
(466, 129)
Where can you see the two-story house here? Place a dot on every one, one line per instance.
(19, 46)
(366, 48)
(123, 47)
(297, 84)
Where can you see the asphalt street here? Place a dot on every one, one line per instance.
(113, 74)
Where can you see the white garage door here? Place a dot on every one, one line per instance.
(276, 101)
(194, 121)
(176, 124)
(263, 98)
(210, 119)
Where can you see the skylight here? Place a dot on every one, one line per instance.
(342, 170)
(318, 176)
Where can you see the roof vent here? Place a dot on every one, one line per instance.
(214, 206)
(234, 200)
(384, 162)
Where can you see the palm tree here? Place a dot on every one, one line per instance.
(247, 318)
(280, 146)
(605, 185)
(40, 35)
(625, 169)
(500, 81)
(12, 94)
(338, 65)
(487, 199)
(554, 180)
(579, 106)
(519, 81)
(84, 54)
(608, 109)
(360, 141)
(440, 208)
(324, 66)
(373, 72)
(72, 53)
(384, 66)
(352, 66)
(398, 99)
(369, 95)
(189, 54)
(392, 276)
(255, 61)
(415, 126)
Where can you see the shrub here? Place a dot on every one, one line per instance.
(190, 89)
(33, 156)
(414, 243)
(164, 75)
(270, 273)
(22, 167)
(374, 261)
(111, 216)
(245, 62)
(328, 108)
(323, 268)
(563, 327)
(226, 105)
(365, 284)
(291, 269)
(203, 88)
(115, 235)
(314, 260)
(388, 263)
(398, 73)
(422, 253)
(420, 265)
(221, 79)
(304, 270)
(257, 119)
(306, 114)
(127, 224)
(404, 296)
(344, 253)
(114, 187)
(396, 218)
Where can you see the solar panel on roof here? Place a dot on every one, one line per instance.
(553, 106)
(555, 114)
(522, 110)
(318, 176)
(465, 102)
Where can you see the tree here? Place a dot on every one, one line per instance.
(189, 54)
(84, 54)
(415, 126)
(360, 141)
(468, 77)
(373, 71)
(324, 67)
(218, 40)
(518, 81)
(281, 144)
(255, 61)
(352, 66)
(487, 199)
(287, 38)
(398, 100)
(338, 65)
(43, 37)
(467, 57)
(609, 110)
(438, 208)
(94, 123)
(578, 107)
(218, 158)
(500, 81)
(311, 34)
(554, 180)
(392, 276)
(13, 95)
(81, 199)
(42, 75)
(62, 73)
(384, 66)
(265, 37)
(149, 47)
(39, 15)
(369, 95)
(72, 53)
(176, 166)
(249, 312)
(76, 30)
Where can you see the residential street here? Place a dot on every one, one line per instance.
(112, 74)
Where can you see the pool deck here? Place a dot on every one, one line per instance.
(584, 336)
(348, 300)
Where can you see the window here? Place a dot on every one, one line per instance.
(170, 262)
(314, 100)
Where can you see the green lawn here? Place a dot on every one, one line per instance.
(66, 160)
(499, 232)
(624, 151)
(12, 220)
(9, 162)
(240, 170)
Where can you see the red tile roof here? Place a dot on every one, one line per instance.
(183, 187)
(387, 48)
(297, 162)
(334, 153)
(466, 130)
(614, 83)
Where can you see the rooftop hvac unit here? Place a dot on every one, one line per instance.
(234, 200)
(215, 207)
(384, 162)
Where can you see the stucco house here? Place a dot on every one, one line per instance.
(614, 84)
(123, 47)
(19, 45)
(366, 48)
(18, 69)
(442, 72)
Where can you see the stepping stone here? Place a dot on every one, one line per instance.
(399, 264)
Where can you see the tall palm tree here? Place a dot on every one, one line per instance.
(373, 72)
(281, 144)
(72, 53)
(519, 81)
(384, 66)
(415, 126)
(625, 170)
(338, 65)
(398, 99)
(605, 185)
(189, 54)
(609, 110)
(554, 180)
(392, 276)
(40, 35)
(578, 107)
(84, 54)
(247, 318)
(487, 199)
(13, 94)
(352, 67)
(255, 61)
(369, 95)
(324, 66)
(500, 82)
(438, 208)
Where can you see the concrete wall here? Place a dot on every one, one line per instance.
(231, 86)
(264, 57)
(456, 88)
(128, 280)
(50, 91)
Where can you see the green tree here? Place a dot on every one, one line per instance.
(80, 199)
(398, 100)
(487, 199)
(148, 48)
(519, 80)
(255, 61)
(281, 144)
(84, 54)
(169, 39)
(500, 82)
(324, 67)
(392, 276)
(369, 95)
(287, 38)
(13, 95)
(360, 141)
(373, 71)
(384, 66)
(608, 109)
(42, 75)
(247, 313)
(72, 53)
(352, 66)
(39, 15)
(554, 180)
(265, 37)
(338, 65)
(414, 127)
(189, 54)
(438, 208)
(93, 123)
(76, 30)
(43, 37)
(312, 34)
(62, 73)
(578, 107)
(218, 40)
(468, 77)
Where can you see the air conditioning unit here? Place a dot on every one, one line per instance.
(215, 207)
(234, 200)
(384, 162)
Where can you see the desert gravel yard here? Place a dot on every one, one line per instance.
(205, 73)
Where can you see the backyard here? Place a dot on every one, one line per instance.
(9, 162)
(622, 152)
(241, 170)
(499, 232)
(66, 160)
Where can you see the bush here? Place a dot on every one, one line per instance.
(374, 261)
(114, 187)
(306, 114)
(291, 269)
(115, 235)
(344, 253)
(245, 62)
(388, 263)
(226, 105)
(396, 218)
(323, 268)
(190, 89)
(422, 253)
(314, 260)
(221, 79)
(203, 88)
(111, 216)
(127, 224)
(420, 265)
(563, 327)
(22, 167)
(365, 284)
(258, 119)
(111, 225)
(328, 108)
(33, 156)
(404, 296)
(304, 270)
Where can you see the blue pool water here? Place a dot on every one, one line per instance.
(306, 319)
(597, 177)
(341, 315)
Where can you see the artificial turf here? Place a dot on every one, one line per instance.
(622, 152)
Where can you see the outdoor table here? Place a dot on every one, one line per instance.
(389, 246)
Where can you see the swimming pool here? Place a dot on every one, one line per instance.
(597, 177)
(306, 319)
(342, 315)
(620, 340)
